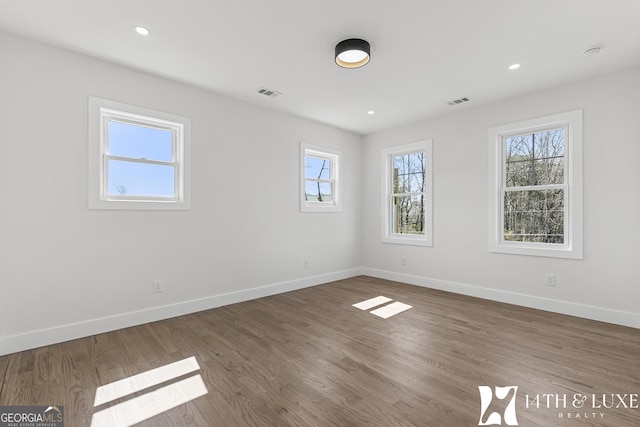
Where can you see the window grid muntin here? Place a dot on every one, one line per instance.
(388, 153)
(393, 210)
(573, 248)
(564, 186)
(551, 235)
(177, 132)
(332, 181)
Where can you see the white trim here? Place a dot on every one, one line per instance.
(42, 337)
(572, 248)
(98, 198)
(57, 334)
(407, 239)
(601, 314)
(335, 157)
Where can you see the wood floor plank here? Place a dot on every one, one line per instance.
(309, 358)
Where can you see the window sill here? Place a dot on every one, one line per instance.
(408, 240)
(560, 252)
(139, 205)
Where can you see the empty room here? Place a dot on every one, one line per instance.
(337, 213)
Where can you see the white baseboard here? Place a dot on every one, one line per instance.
(601, 314)
(57, 334)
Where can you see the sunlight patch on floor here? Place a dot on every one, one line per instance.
(385, 311)
(391, 309)
(148, 405)
(130, 385)
(370, 303)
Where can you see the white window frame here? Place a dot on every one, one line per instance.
(388, 236)
(100, 112)
(334, 156)
(572, 186)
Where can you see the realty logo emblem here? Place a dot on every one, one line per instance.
(494, 418)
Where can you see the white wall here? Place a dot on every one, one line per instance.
(67, 271)
(605, 285)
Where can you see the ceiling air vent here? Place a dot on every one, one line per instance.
(458, 101)
(269, 92)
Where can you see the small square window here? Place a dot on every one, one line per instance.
(320, 179)
(138, 157)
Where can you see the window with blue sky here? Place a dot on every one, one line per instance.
(320, 173)
(139, 158)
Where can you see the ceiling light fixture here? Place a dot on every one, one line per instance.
(142, 31)
(371, 112)
(353, 53)
(514, 66)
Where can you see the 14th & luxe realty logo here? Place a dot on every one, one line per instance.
(576, 406)
(501, 393)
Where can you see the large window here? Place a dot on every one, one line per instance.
(407, 199)
(320, 175)
(138, 157)
(536, 186)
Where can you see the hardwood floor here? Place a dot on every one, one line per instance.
(308, 358)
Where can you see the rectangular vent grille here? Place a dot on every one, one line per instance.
(458, 101)
(269, 92)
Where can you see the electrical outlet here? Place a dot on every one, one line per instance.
(403, 261)
(307, 263)
(156, 286)
(550, 280)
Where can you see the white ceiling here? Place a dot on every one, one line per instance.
(424, 52)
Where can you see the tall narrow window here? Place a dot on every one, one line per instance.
(536, 176)
(138, 158)
(408, 200)
(320, 175)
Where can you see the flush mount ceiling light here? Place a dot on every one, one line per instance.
(353, 53)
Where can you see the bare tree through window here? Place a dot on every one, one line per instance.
(318, 179)
(409, 193)
(534, 194)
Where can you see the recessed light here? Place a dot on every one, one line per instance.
(142, 31)
(371, 112)
(514, 66)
